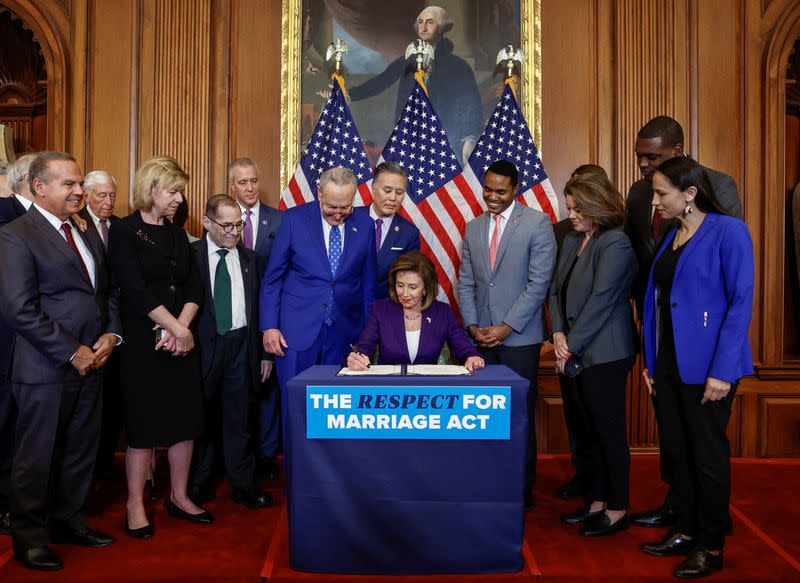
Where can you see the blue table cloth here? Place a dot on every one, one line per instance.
(377, 506)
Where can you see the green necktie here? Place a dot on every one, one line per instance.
(222, 295)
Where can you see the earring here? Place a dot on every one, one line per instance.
(689, 209)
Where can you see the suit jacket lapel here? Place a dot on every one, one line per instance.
(60, 243)
(399, 327)
(392, 234)
(508, 233)
(205, 273)
(96, 249)
(483, 245)
(314, 229)
(692, 243)
(263, 225)
(246, 283)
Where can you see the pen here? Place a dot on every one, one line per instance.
(354, 349)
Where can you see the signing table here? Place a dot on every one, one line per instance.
(412, 474)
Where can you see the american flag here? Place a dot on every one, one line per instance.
(438, 200)
(335, 142)
(507, 137)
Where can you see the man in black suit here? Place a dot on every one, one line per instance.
(261, 224)
(230, 353)
(11, 208)
(58, 300)
(661, 139)
(100, 188)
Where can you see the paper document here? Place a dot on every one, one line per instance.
(410, 369)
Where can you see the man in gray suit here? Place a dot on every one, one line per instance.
(507, 259)
(57, 299)
(660, 139)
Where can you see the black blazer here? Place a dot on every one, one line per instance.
(207, 318)
(50, 302)
(91, 231)
(10, 210)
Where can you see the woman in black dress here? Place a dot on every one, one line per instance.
(161, 384)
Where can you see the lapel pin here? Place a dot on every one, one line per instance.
(264, 221)
(515, 221)
(355, 229)
(396, 228)
(428, 319)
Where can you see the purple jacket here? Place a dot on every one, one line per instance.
(385, 329)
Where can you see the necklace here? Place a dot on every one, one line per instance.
(412, 318)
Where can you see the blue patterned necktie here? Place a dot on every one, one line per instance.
(334, 255)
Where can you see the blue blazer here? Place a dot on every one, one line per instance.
(711, 300)
(297, 284)
(269, 220)
(401, 238)
(386, 329)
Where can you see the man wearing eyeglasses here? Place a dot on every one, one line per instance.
(230, 353)
(320, 281)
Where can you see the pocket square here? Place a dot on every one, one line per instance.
(397, 249)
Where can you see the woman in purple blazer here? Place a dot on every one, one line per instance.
(411, 326)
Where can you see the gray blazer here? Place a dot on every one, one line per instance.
(517, 288)
(599, 315)
(49, 301)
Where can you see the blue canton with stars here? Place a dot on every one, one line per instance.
(335, 142)
(507, 137)
(420, 144)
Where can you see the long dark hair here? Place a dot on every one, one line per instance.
(683, 172)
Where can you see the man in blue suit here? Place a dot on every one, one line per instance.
(261, 224)
(394, 235)
(320, 280)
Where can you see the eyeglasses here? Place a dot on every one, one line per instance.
(228, 227)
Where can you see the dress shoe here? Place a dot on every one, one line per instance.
(673, 543)
(85, 537)
(661, 516)
(174, 510)
(251, 497)
(571, 490)
(144, 532)
(5, 523)
(580, 516)
(267, 468)
(39, 558)
(200, 494)
(601, 525)
(699, 564)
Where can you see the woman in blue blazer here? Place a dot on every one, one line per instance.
(411, 326)
(696, 317)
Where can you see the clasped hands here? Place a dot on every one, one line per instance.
(88, 359)
(561, 350)
(489, 336)
(179, 343)
(715, 389)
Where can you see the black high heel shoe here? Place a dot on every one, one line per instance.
(175, 511)
(142, 533)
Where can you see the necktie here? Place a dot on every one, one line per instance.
(104, 228)
(67, 229)
(247, 234)
(493, 244)
(378, 234)
(334, 254)
(656, 226)
(222, 294)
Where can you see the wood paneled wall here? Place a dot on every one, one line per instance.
(199, 80)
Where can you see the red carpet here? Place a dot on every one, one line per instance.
(765, 545)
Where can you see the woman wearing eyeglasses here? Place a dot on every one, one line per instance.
(160, 294)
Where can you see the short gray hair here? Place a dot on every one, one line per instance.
(340, 176)
(96, 177)
(40, 166)
(18, 172)
(243, 162)
(442, 18)
(389, 168)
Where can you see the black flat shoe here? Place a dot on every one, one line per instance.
(39, 558)
(143, 533)
(601, 526)
(174, 510)
(580, 516)
(700, 563)
(251, 497)
(673, 543)
(657, 518)
(85, 537)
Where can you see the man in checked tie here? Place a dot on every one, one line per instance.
(320, 281)
(261, 224)
(507, 260)
(57, 298)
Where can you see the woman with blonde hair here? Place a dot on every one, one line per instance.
(160, 294)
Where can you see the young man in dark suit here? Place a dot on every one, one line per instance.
(394, 235)
(64, 314)
(261, 224)
(230, 353)
(658, 140)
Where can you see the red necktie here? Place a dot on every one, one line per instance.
(493, 244)
(71, 242)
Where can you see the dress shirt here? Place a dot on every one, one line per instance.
(86, 255)
(326, 234)
(412, 341)
(96, 221)
(254, 219)
(25, 202)
(504, 216)
(237, 284)
(387, 222)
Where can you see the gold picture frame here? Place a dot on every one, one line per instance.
(291, 66)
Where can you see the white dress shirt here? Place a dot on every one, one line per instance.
(83, 249)
(326, 234)
(412, 341)
(504, 217)
(254, 219)
(96, 221)
(237, 283)
(387, 223)
(24, 201)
